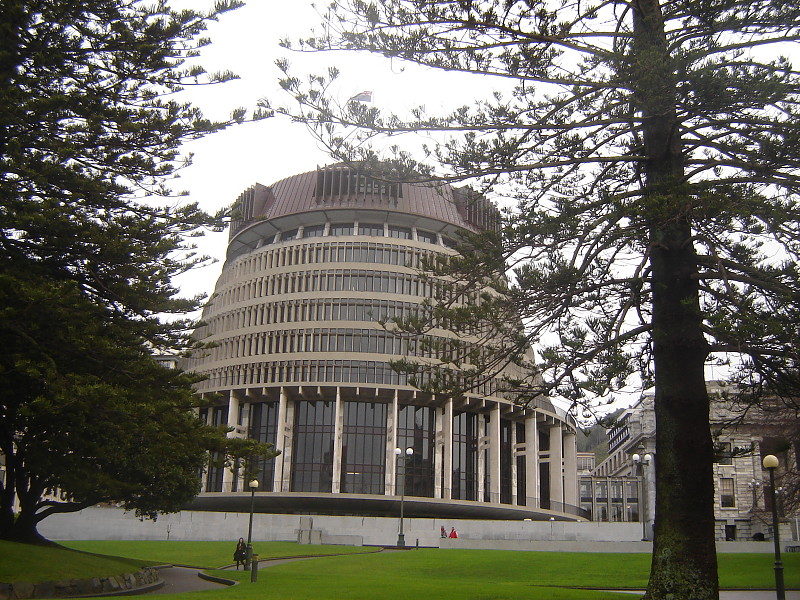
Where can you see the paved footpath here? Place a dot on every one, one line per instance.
(178, 580)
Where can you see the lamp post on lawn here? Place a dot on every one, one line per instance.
(249, 556)
(770, 463)
(641, 461)
(401, 538)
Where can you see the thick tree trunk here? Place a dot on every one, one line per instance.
(684, 554)
(20, 527)
(684, 562)
(24, 531)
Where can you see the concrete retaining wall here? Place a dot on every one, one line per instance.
(114, 524)
(111, 523)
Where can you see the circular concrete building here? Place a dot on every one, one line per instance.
(315, 262)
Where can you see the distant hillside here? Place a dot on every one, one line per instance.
(595, 438)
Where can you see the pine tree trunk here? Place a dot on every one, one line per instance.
(684, 552)
(684, 562)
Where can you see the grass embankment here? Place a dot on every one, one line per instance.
(24, 562)
(425, 573)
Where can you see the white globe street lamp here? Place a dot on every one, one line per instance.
(401, 538)
(253, 484)
(770, 463)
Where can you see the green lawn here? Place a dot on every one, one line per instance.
(409, 575)
(208, 555)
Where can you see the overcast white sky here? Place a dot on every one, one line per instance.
(246, 42)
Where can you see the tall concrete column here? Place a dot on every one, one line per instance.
(338, 428)
(556, 467)
(391, 444)
(532, 462)
(570, 468)
(283, 442)
(447, 458)
(228, 476)
(494, 454)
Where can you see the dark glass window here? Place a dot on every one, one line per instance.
(522, 495)
(465, 456)
(505, 461)
(522, 479)
(364, 448)
(264, 428)
(426, 236)
(416, 430)
(288, 235)
(586, 490)
(313, 231)
(370, 229)
(403, 233)
(544, 485)
(219, 416)
(724, 453)
(544, 441)
(727, 494)
(312, 464)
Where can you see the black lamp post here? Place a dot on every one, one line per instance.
(249, 556)
(401, 538)
(770, 463)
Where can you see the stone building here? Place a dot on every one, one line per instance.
(743, 435)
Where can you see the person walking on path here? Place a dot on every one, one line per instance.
(453, 533)
(240, 554)
(444, 532)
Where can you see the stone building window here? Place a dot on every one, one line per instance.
(727, 496)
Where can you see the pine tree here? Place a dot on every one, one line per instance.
(90, 128)
(651, 148)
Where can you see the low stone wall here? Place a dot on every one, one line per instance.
(96, 586)
(114, 524)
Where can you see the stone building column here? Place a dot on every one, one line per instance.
(532, 461)
(494, 454)
(556, 467)
(391, 444)
(338, 427)
(447, 450)
(284, 439)
(570, 468)
(483, 450)
(228, 475)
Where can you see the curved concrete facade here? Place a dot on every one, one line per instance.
(316, 262)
